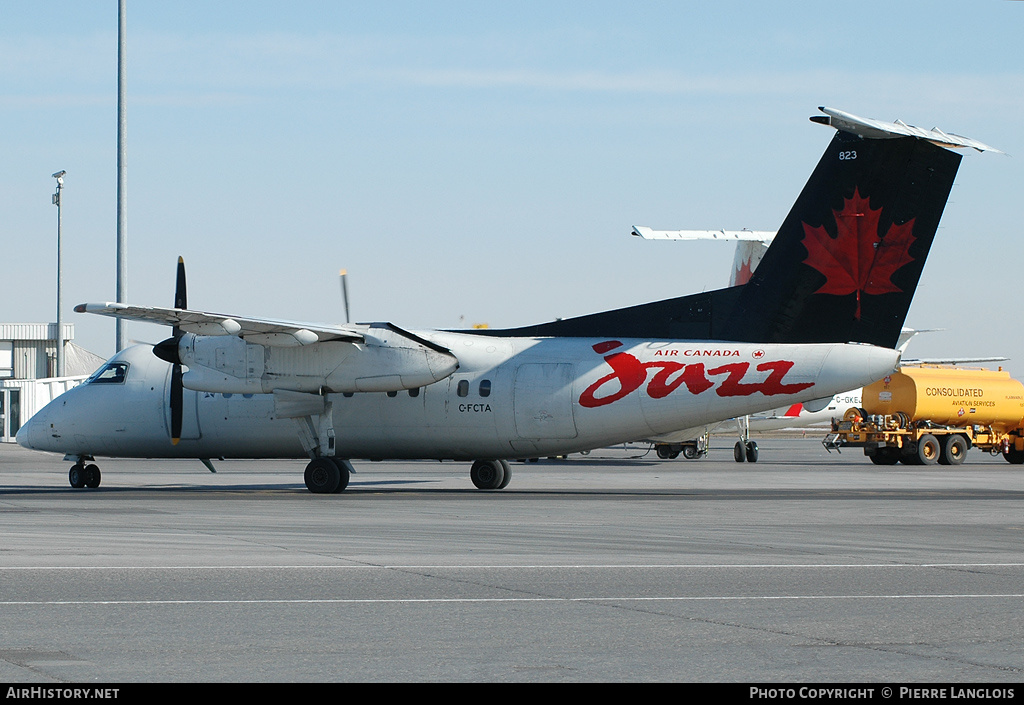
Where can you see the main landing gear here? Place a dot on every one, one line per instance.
(491, 474)
(745, 449)
(325, 475)
(84, 475)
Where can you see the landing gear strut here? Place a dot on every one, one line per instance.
(314, 418)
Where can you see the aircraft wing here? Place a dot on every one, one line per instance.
(255, 330)
(952, 360)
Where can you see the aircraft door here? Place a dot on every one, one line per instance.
(10, 414)
(543, 401)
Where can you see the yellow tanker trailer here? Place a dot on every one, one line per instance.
(929, 414)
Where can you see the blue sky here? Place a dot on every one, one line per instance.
(473, 162)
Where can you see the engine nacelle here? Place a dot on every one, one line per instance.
(385, 362)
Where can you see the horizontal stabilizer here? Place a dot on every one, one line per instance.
(878, 129)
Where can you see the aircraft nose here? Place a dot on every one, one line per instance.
(31, 432)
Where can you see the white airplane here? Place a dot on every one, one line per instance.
(821, 314)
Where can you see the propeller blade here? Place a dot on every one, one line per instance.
(180, 293)
(168, 350)
(177, 402)
(344, 292)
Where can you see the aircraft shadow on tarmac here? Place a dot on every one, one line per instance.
(413, 489)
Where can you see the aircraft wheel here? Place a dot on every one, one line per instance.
(507, 469)
(954, 450)
(76, 476)
(690, 452)
(928, 449)
(92, 476)
(487, 474)
(323, 476)
(739, 453)
(343, 469)
(751, 452)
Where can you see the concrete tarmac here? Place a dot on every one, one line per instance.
(615, 566)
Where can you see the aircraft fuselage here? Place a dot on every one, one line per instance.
(510, 398)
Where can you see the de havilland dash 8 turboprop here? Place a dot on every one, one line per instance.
(821, 315)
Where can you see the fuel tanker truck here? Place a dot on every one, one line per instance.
(930, 414)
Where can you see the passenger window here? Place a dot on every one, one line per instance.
(463, 389)
(114, 373)
(485, 387)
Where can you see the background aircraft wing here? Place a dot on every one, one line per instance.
(951, 360)
(646, 233)
(256, 330)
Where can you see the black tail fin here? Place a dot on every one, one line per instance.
(847, 259)
(842, 268)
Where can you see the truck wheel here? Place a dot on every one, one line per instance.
(855, 414)
(928, 449)
(954, 450)
(1014, 457)
(886, 456)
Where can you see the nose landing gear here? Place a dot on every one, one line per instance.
(81, 475)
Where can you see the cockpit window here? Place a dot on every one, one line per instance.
(112, 373)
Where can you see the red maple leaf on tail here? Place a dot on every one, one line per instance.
(857, 260)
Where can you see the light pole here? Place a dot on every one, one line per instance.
(122, 176)
(60, 319)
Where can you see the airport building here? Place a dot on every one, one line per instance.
(28, 363)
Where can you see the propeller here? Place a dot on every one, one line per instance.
(167, 350)
(344, 291)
